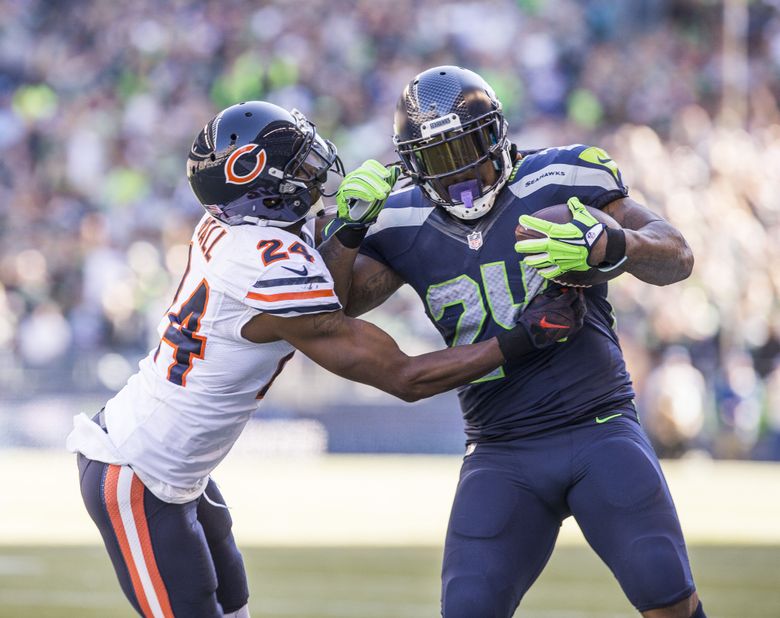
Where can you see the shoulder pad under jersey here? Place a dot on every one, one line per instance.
(587, 172)
(398, 224)
(276, 272)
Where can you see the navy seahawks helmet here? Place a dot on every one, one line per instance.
(256, 163)
(451, 136)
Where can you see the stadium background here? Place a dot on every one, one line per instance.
(98, 105)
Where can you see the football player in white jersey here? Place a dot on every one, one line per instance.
(253, 291)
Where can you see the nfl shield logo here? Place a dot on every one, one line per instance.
(475, 240)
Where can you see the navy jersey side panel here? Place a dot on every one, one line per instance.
(473, 286)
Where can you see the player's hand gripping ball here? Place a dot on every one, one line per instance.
(561, 243)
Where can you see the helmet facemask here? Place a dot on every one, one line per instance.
(451, 136)
(460, 167)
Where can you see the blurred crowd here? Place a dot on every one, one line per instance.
(100, 101)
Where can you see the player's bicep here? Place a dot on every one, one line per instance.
(657, 252)
(631, 214)
(372, 284)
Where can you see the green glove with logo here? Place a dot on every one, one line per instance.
(565, 246)
(360, 198)
(364, 191)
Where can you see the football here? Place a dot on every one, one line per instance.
(560, 213)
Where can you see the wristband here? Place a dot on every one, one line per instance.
(351, 235)
(515, 343)
(615, 253)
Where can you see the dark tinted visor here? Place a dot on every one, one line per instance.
(451, 154)
(459, 162)
(470, 155)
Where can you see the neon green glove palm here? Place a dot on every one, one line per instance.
(565, 246)
(364, 191)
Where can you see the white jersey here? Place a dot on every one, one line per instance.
(178, 417)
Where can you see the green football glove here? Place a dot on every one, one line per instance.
(567, 246)
(364, 191)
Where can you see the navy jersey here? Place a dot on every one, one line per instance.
(474, 286)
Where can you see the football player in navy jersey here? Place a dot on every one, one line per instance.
(254, 290)
(554, 431)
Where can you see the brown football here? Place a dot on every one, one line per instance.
(560, 213)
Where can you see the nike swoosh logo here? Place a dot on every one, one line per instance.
(605, 161)
(545, 324)
(302, 272)
(600, 420)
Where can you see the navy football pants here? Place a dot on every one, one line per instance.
(171, 559)
(513, 496)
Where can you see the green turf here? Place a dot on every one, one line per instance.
(78, 582)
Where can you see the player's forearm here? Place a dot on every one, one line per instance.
(362, 352)
(658, 254)
(340, 261)
(436, 372)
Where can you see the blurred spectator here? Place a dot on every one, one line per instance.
(772, 439)
(738, 399)
(673, 403)
(99, 102)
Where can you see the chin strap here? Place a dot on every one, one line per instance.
(316, 209)
(263, 222)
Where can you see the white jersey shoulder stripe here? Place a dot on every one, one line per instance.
(298, 310)
(563, 174)
(560, 148)
(295, 302)
(400, 217)
(289, 281)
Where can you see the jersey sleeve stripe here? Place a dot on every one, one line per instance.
(305, 309)
(283, 296)
(274, 283)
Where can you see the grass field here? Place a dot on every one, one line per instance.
(359, 537)
(385, 582)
